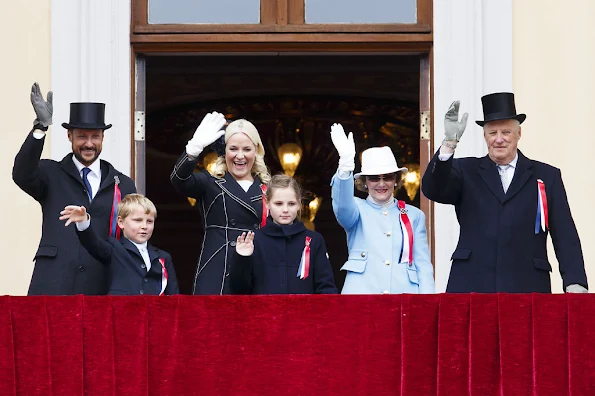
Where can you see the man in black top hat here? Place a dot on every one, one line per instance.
(62, 265)
(506, 205)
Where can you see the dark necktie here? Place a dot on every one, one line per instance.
(87, 184)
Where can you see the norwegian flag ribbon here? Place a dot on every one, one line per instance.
(163, 276)
(304, 269)
(114, 230)
(407, 232)
(541, 220)
(265, 211)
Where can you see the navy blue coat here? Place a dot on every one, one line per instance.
(273, 267)
(62, 265)
(129, 275)
(498, 250)
(227, 211)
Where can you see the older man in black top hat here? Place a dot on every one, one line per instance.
(506, 205)
(62, 265)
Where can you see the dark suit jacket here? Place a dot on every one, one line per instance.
(273, 267)
(498, 250)
(227, 211)
(62, 265)
(129, 273)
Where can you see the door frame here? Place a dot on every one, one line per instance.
(283, 30)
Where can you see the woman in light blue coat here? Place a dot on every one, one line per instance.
(387, 239)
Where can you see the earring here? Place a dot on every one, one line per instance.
(365, 186)
(396, 184)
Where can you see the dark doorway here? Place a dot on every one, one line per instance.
(289, 99)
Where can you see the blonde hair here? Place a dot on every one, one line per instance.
(258, 168)
(284, 181)
(360, 182)
(135, 201)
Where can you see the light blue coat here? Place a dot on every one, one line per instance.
(374, 240)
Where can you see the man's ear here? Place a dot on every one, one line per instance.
(70, 135)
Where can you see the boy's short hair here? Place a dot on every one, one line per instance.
(133, 201)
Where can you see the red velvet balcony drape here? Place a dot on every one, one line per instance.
(298, 345)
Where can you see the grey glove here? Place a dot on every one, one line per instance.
(453, 129)
(576, 288)
(43, 109)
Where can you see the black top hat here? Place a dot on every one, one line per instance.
(499, 106)
(87, 115)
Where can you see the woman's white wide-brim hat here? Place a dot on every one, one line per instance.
(378, 161)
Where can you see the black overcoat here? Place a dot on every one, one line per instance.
(62, 265)
(129, 272)
(273, 267)
(227, 211)
(498, 249)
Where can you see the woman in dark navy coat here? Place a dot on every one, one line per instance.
(230, 199)
(283, 257)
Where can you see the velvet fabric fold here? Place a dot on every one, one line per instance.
(449, 344)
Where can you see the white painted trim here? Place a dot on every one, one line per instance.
(90, 61)
(472, 57)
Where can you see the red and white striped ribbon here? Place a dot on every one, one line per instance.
(407, 231)
(542, 205)
(265, 210)
(163, 276)
(304, 269)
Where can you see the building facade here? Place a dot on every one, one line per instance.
(84, 51)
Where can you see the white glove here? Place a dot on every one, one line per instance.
(453, 129)
(207, 132)
(345, 147)
(576, 288)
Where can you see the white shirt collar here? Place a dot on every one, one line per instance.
(140, 246)
(388, 204)
(515, 160)
(95, 166)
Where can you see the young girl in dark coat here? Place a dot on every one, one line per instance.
(283, 257)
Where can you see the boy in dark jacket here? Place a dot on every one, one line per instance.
(287, 258)
(136, 266)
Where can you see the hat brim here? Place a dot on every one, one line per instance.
(358, 175)
(86, 126)
(519, 117)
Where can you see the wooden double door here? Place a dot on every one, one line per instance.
(292, 80)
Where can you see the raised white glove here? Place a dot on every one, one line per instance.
(345, 147)
(576, 288)
(453, 129)
(207, 132)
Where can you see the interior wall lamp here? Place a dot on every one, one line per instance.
(290, 155)
(412, 179)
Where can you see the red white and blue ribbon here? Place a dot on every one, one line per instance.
(304, 269)
(541, 220)
(407, 232)
(163, 276)
(114, 230)
(265, 210)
